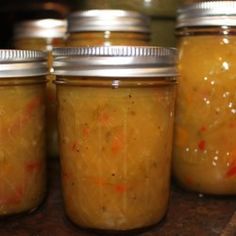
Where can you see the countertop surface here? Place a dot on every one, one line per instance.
(188, 215)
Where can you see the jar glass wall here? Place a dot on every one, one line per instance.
(107, 38)
(115, 139)
(118, 172)
(22, 136)
(44, 35)
(204, 150)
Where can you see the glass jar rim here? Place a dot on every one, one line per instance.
(207, 13)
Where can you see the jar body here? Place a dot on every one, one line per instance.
(204, 150)
(107, 38)
(115, 169)
(51, 111)
(162, 13)
(22, 145)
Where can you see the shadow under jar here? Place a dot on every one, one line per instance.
(205, 134)
(116, 108)
(22, 133)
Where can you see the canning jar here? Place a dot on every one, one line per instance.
(161, 12)
(107, 27)
(22, 133)
(115, 107)
(44, 34)
(205, 135)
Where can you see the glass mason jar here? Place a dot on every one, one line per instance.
(161, 12)
(22, 133)
(115, 107)
(205, 134)
(107, 27)
(43, 35)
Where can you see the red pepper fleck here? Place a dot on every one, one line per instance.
(104, 118)
(203, 129)
(51, 96)
(13, 198)
(65, 176)
(231, 172)
(120, 188)
(86, 131)
(56, 42)
(75, 146)
(116, 146)
(25, 117)
(34, 104)
(189, 180)
(202, 145)
(33, 166)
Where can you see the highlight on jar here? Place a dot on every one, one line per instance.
(115, 111)
(205, 147)
(44, 35)
(22, 130)
(107, 27)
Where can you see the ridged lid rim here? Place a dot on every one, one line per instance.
(108, 20)
(22, 63)
(125, 61)
(13, 55)
(135, 51)
(207, 13)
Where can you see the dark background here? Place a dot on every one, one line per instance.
(12, 11)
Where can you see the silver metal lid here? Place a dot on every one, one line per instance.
(45, 28)
(22, 63)
(115, 61)
(108, 20)
(211, 13)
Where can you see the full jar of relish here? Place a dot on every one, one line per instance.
(205, 135)
(161, 12)
(44, 35)
(22, 131)
(116, 108)
(106, 28)
(41, 34)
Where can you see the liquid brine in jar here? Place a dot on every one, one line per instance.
(22, 130)
(107, 27)
(205, 147)
(115, 126)
(44, 35)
